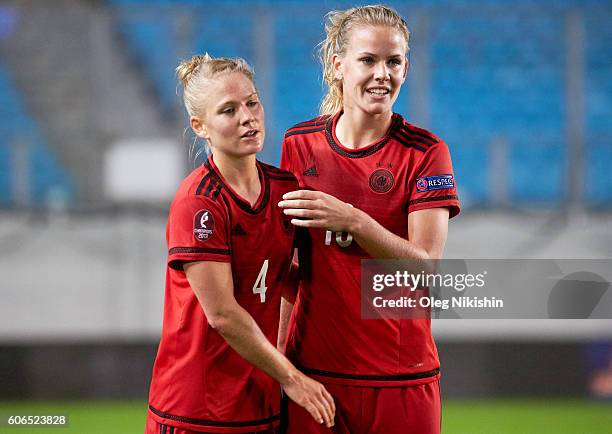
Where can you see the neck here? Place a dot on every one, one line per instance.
(356, 129)
(240, 173)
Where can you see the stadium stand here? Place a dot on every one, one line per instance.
(497, 77)
(598, 90)
(497, 74)
(47, 179)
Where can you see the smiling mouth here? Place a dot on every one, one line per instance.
(378, 91)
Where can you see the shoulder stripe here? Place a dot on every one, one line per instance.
(313, 123)
(211, 185)
(419, 139)
(311, 130)
(410, 135)
(433, 199)
(319, 120)
(408, 143)
(274, 170)
(413, 132)
(177, 250)
(217, 191)
(202, 184)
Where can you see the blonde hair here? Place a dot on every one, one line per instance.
(195, 73)
(337, 28)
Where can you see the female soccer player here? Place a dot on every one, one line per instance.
(372, 186)
(229, 252)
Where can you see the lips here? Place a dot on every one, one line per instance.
(250, 133)
(378, 91)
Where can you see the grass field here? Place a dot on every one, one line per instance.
(459, 417)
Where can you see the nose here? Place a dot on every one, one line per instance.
(381, 72)
(246, 115)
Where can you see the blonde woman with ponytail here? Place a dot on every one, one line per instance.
(229, 255)
(372, 185)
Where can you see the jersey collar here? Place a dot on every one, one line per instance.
(334, 143)
(264, 195)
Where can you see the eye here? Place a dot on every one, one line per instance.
(252, 103)
(395, 62)
(228, 110)
(367, 60)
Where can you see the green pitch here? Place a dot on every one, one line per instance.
(515, 416)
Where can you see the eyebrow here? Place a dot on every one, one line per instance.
(233, 102)
(366, 53)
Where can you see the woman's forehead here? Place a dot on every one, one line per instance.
(374, 39)
(230, 86)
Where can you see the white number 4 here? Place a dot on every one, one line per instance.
(260, 283)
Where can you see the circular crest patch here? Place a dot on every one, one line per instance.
(421, 184)
(381, 181)
(203, 225)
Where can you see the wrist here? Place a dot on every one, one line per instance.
(356, 220)
(289, 377)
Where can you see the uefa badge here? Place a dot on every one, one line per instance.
(435, 182)
(421, 184)
(203, 225)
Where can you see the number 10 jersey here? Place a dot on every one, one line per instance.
(407, 170)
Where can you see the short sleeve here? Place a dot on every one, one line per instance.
(285, 161)
(197, 231)
(433, 184)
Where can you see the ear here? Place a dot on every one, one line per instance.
(338, 67)
(198, 128)
(406, 66)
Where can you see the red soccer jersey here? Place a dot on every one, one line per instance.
(407, 170)
(199, 382)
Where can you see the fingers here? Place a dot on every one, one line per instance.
(324, 403)
(330, 400)
(315, 413)
(313, 397)
(321, 410)
(309, 223)
(298, 203)
(300, 212)
(329, 407)
(302, 194)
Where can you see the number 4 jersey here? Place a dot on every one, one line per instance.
(409, 169)
(199, 382)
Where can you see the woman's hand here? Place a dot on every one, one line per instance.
(311, 395)
(316, 209)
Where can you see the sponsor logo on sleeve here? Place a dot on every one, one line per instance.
(435, 182)
(203, 225)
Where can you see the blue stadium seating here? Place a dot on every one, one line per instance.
(497, 72)
(47, 179)
(151, 41)
(598, 80)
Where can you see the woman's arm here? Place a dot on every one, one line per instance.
(427, 229)
(213, 286)
(285, 315)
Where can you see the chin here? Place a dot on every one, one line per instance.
(254, 149)
(377, 109)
